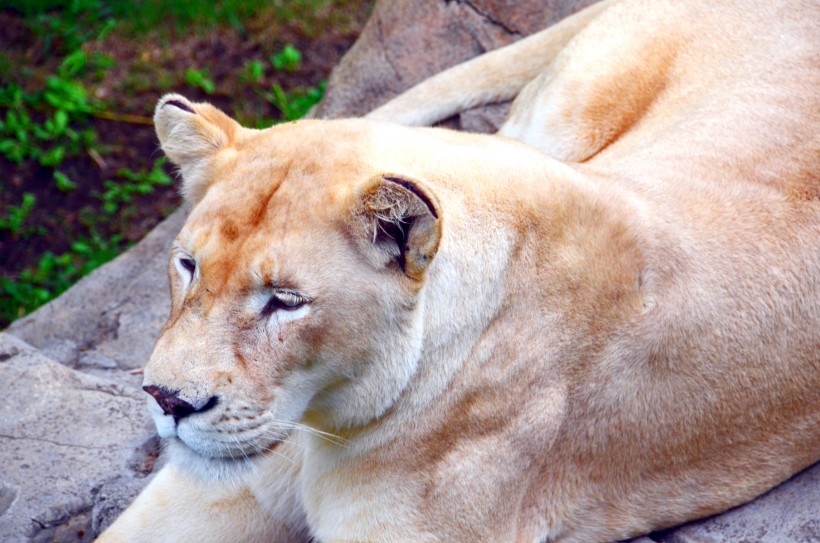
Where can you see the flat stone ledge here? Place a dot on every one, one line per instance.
(62, 436)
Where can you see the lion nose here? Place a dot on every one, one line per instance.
(173, 405)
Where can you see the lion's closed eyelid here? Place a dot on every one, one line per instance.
(285, 300)
(186, 267)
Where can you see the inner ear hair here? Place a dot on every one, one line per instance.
(415, 190)
(403, 223)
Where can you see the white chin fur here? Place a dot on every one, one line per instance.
(207, 467)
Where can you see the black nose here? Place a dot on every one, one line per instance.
(173, 405)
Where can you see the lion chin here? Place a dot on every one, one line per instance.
(229, 468)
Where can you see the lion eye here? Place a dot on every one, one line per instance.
(285, 301)
(186, 267)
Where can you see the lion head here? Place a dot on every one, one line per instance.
(295, 283)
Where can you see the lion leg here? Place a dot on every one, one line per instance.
(492, 77)
(178, 507)
(583, 101)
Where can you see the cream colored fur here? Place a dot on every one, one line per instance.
(421, 335)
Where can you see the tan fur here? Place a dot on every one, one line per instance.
(493, 344)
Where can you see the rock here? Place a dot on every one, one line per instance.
(64, 434)
(64, 351)
(7, 496)
(111, 499)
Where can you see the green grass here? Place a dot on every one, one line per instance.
(47, 125)
(201, 79)
(296, 103)
(289, 59)
(14, 219)
(130, 184)
(67, 24)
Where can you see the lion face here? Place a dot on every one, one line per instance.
(295, 284)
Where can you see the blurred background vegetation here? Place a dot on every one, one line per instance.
(81, 175)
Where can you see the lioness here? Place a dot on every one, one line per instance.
(382, 333)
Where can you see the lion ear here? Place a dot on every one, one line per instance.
(402, 223)
(191, 135)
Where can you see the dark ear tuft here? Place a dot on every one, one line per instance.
(179, 104)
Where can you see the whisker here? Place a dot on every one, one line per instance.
(327, 436)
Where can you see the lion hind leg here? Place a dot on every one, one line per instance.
(584, 101)
(493, 77)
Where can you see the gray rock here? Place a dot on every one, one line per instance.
(63, 435)
(64, 351)
(112, 498)
(93, 359)
(7, 496)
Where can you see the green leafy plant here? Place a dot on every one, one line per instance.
(64, 105)
(253, 72)
(131, 184)
(289, 59)
(73, 64)
(15, 216)
(65, 29)
(79, 63)
(296, 103)
(54, 274)
(201, 79)
(70, 96)
(64, 184)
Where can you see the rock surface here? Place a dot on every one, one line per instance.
(75, 441)
(65, 435)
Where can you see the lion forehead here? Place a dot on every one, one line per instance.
(241, 235)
